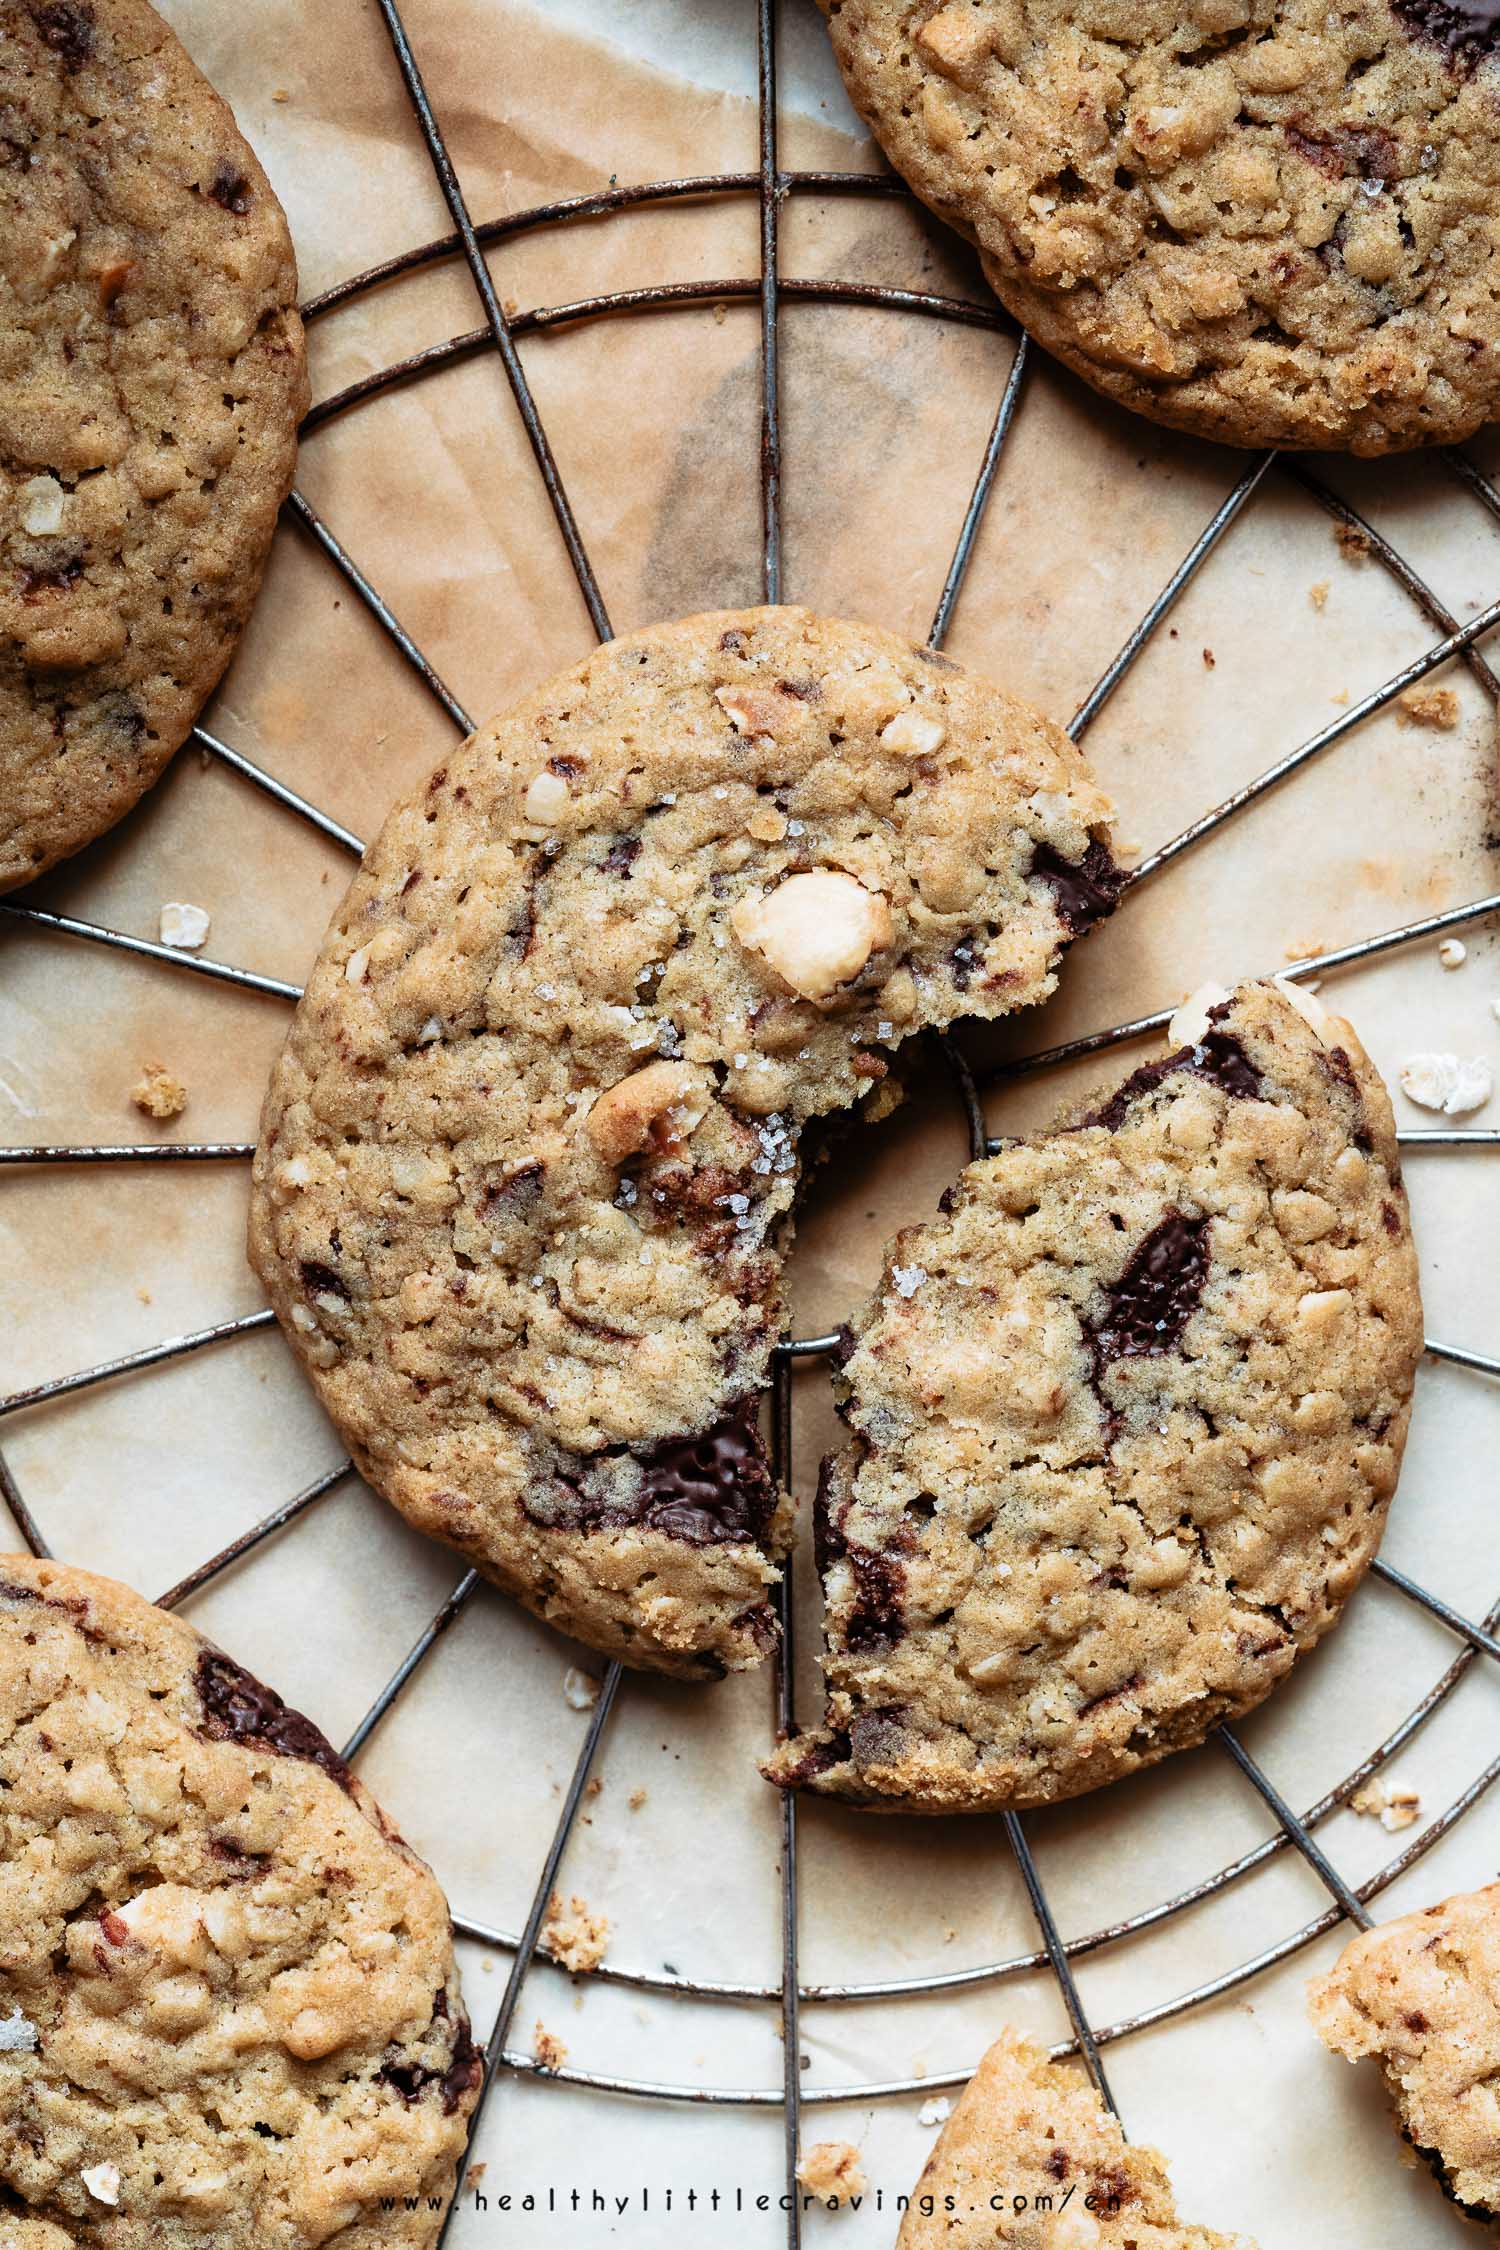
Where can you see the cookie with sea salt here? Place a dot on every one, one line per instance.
(1032, 2160)
(527, 1162)
(1265, 221)
(1126, 1418)
(229, 2011)
(152, 376)
(1421, 1995)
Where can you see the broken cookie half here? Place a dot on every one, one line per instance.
(1031, 2158)
(527, 1163)
(1126, 1418)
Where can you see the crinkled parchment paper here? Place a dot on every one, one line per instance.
(432, 490)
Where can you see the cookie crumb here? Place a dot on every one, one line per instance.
(184, 925)
(158, 1093)
(636, 1799)
(547, 2049)
(103, 2182)
(580, 1688)
(936, 2112)
(1353, 544)
(1389, 1802)
(1209, 659)
(1435, 707)
(574, 1935)
(1453, 953)
(1318, 595)
(831, 2170)
(1451, 1083)
(1303, 949)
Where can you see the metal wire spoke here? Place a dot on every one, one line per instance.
(1475, 1635)
(248, 1541)
(26, 1523)
(1485, 1138)
(1057, 1956)
(33, 917)
(237, 762)
(148, 1152)
(426, 1640)
(447, 179)
(426, 671)
(963, 552)
(175, 1347)
(1188, 569)
(770, 311)
(1317, 1859)
(1481, 1362)
(495, 2053)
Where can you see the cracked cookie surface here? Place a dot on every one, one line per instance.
(152, 376)
(1029, 2131)
(1126, 1419)
(528, 1159)
(1269, 222)
(229, 2010)
(1421, 1996)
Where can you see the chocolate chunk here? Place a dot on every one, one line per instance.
(56, 577)
(877, 1736)
(963, 961)
(321, 1281)
(1218, 1057)
(817, 1758)
(1154, 1298)
(1085, 892)
(412, 2079)
(1339, 1068)
(878, 1618)
(69, 30)
(711, 1490)
(1464, 29)
(518, 1192)
(622, 856)
(230, 190)
(237, 1707)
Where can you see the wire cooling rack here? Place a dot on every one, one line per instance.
(769, 289)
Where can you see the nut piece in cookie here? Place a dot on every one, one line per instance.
(1125, 1421)
(154, 380)
(1267, 225)
(527, 1165)
(1421, 1997)
(1031, 2159)
(245, 2017)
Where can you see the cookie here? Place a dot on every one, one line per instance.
(229, 2012)
(1032, 2158)
(1422, 1996)
(152, 377)
(527, 1163)
(1264, 221)
(1126, 1419)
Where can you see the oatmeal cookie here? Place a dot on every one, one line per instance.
(151, 380)
(1032, 2133)
(527, 1161)
(229, 2011)
(1422, 1996)
(1126, 1421)
(1270, 222)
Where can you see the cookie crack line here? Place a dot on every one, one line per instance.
(529, 1159)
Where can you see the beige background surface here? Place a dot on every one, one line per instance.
(655, 424)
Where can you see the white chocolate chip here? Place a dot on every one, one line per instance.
(1454, 1084)
(580, 1689)
(992, 1670)
(17, 2035)
(1453, 953)
(546, 798)
(183, 925)
(913, 734)
(1191, 1020)
(103, 2182)
(659, 1105)
(816, 931)
(41, 501)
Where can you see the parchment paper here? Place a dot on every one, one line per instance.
(654, 421)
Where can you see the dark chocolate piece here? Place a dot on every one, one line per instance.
(877, 1619)
(1218, 1056)
(462, 2073)
(237, 1707)
(1464, 29)
(709, 1490)
(68, 27)
(1086, 891)
(1155, 1297)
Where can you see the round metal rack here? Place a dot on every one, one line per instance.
(500, 334)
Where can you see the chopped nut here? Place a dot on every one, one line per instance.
(41, 501)
(158, 1093)
(831, 2170)
(636, 1799)
(580, 1688)
(183, 925)
(545, 799)
(1435, 707)
(1191, 1020)
(816, 931)
(103, 2182)
(914, 734)
(547, 2048)
(1453, 953)
(356, 965)
(754, 710)
(1451, 1083)
(658, 1106)
(1322, 1309)
(573, 1935)
(1389, 1802)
